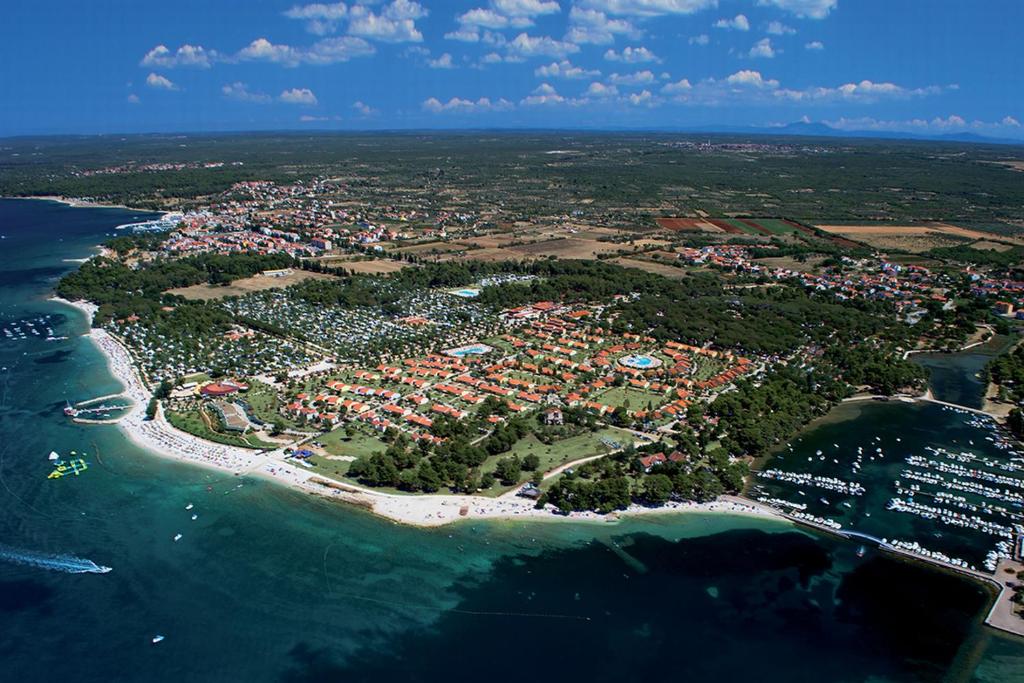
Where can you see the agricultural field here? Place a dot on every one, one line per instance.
(366, 266)
(257, 283)
(566, 248)
(650, 266)
(914, 238)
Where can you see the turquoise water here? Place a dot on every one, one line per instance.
(638, 361)
(271, 585)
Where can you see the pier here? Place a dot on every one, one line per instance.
(926, 398)
(1000, 616)
(80, 411)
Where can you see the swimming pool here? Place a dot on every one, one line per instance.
(640, 361)
(467, 293)
(471, 350)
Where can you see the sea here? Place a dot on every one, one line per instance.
(268, 584)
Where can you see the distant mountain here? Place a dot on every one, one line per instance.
(820, 129)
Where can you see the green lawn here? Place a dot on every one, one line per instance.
(706, 368)
(265, 404)
(558, 453)
(632, 399)
(190, 421)
(332, 469)
(357, 443)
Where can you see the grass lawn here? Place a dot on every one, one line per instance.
(332, 469)
(357, 443)
(192, 422)
(637, 399)
(558, 453)
(265, 404)
(706, 368)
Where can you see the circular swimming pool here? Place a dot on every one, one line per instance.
(640, 361)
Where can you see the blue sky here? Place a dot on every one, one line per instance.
(922, 66)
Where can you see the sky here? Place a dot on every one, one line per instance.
(132, 66)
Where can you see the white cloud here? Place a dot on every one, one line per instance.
(525, 46)
(809, 9)
(489, 18)
(594, 27)
(459, 105)
(631, 55)
(331, 12)
(648, 8)
(763, 49)
(750, 78)
(936, 125)
(543, 94)
(334, 50)
(154, 80)
(564, 69)
(240, 91)
(364, 109)
(677, 88)
(395, 24)
(500, 15)
(326, 51)
(526, 8)
(777, 28)
(263, 50)
(601, 90)
(702, 39)
(442, 62)
(320, 19)
(643, 98)
(815, 45)
(133, 99)
(864, 92)
(303, 96)
(638, 78)
(186, 55)
(739, 23)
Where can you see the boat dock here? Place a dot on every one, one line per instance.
(80, 411)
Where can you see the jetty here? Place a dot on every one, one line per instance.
(1000, 616)
(926, 398)
(80, 411)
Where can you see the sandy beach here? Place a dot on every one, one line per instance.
(161, 438)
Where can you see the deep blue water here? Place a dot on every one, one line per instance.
(271, 585)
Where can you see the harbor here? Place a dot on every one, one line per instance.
(923, 478)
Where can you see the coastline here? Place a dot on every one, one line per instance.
(161, 438)
(78, 203)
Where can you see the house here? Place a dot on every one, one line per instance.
(553, 416)
(650, 461)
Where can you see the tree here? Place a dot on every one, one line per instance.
(531, 461)
(152, 408)
(508, 471)
(657, 489)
